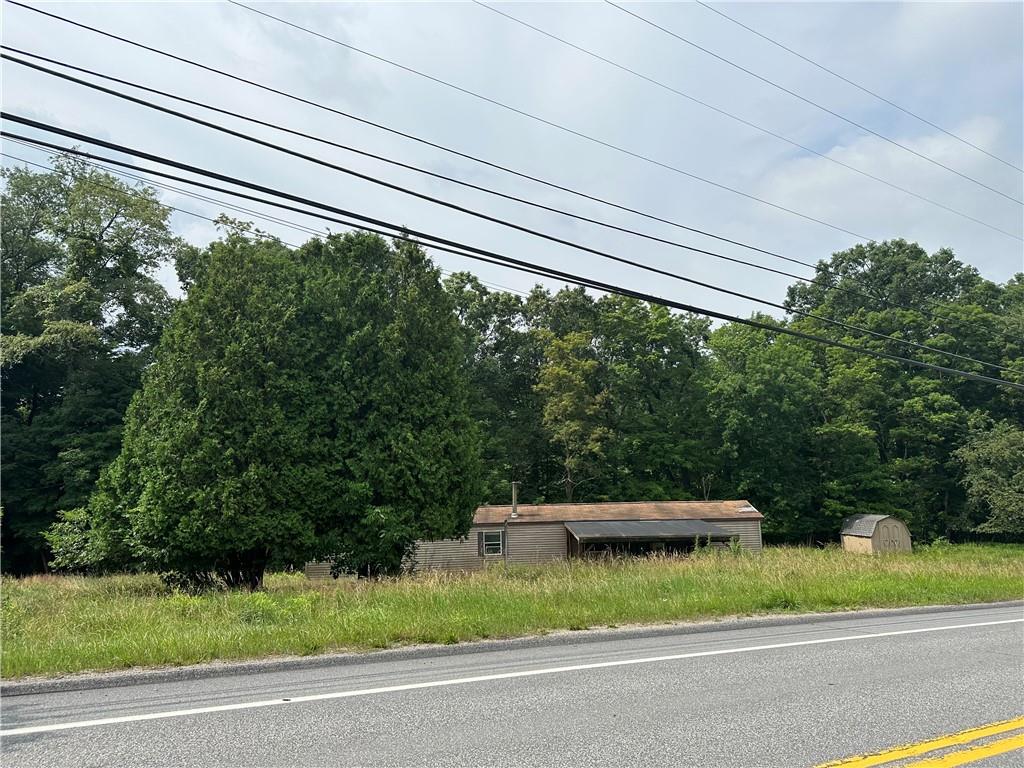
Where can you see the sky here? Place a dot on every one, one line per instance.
(959, 65)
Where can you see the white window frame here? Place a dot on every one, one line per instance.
(488, 552)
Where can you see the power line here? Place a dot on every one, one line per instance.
(856, 85)
(481, 254)
(450, 150)
(826, 284)
(822, 268)
(551, 209)
(743, 121)
(806, 100)
(137, 193)
(571, 131)
(256, 214)
(467, 249)
(176, 190)
(491, 219)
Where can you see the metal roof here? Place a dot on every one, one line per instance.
(739, 509)
(644, 530)
(862, 525)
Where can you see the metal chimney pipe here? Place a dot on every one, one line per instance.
(515, 499)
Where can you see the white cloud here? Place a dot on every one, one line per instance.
(816, 186)
(904, 51)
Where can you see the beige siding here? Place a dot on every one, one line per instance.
(858, 544)
(448, 555)
(454, 554)
(747, 531)
(891, 535)
(535, 542)
(318, 571)
(524, 543)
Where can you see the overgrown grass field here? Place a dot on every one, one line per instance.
(60, 624)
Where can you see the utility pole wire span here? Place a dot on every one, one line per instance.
(571, 131)
(230, 206)
(441, 147)
(502, 222)
(814, 104)
(856, 85)
(828, 284)
(468, 249)
(748, 123)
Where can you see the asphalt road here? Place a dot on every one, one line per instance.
(795, 695)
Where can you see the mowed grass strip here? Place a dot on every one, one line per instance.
(55, 625)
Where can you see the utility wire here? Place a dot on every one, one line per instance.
(856, 85)
(558, 126)
(601, 142)
(748, 123)
(483, 255)
(492, 219)
(828, 284)
(272, 219)
(176, 190)
(806, 100)
(137, 193)
(467, 249)
(450, 150)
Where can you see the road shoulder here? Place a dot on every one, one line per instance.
(146, 675)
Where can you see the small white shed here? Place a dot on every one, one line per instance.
(875, 533)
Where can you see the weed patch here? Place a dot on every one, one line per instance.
(60, 624)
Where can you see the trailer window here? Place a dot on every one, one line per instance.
(493, 542)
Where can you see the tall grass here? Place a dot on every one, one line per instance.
(59, 624)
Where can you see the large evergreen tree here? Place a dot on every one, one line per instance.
(302, 404)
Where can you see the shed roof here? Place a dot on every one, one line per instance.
(620, 510)
(644, 530)
(862, 525)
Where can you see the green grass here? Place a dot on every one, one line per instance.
(55, 624)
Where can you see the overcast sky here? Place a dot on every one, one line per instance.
(957, 64)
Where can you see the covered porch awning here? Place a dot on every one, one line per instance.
(645, 530)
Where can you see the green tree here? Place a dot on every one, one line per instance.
(81, 310)
(918, 418)
(993, 475)
(658, 408)
(575, 409)
(503, 355)
(302, 404)
(766, 399)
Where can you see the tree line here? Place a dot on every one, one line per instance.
(341, 400)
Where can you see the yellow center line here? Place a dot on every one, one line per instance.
(920, 748)
(964, 756)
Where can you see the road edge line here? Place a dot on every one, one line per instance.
(227, 668)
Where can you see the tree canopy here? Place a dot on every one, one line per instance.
(993, 464)
(81, 312)
(613, 399)
(338, 400)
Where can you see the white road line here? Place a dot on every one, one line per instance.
(478, 679)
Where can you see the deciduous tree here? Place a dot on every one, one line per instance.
(81, 310)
